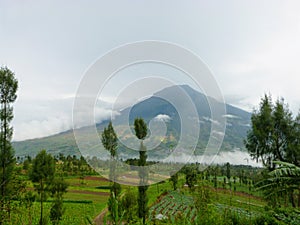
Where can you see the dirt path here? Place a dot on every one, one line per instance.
(99, 219)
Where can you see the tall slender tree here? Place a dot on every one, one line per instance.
(228, 174)
(110, 143)
(8, 89)
(140, 129)
(42, 174)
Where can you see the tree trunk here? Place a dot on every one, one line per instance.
(299, 197)
(292, 198)
(41, 202)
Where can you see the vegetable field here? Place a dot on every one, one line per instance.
(172, 205)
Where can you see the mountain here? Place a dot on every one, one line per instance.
(157, 107)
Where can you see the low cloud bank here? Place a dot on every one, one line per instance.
(236, 157)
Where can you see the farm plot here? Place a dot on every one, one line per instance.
(172, 205)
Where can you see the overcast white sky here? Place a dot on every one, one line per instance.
(252, 47)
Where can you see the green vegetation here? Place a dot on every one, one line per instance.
(235, 202)
(140, 129)
(110, 143)
(274, 134)
(8, 89)
(42, 174)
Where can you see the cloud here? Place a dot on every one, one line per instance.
(230, 116)
(163, 117)
(48, 117)
(236, 157)
(41, 128)
(211, 120)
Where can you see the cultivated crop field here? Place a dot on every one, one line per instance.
(85, 198)
(174, 204)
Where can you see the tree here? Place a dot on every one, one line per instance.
(191, 177)
(57, 189)
(109, 140)
(8, 89)
(110, 143)
(140, 129)
(228, 175)
(270, 136)
(174, 180)
(42, 174)
(129, 205)
(293, 150)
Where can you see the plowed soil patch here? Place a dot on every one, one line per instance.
(90, 192)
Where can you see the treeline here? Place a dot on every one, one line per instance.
(66, 165)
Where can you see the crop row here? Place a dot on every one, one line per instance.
(172, 204)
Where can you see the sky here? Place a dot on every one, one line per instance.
(251, 47)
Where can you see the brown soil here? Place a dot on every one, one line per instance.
(90, 192)
(238, 193)
(99, 219)
(96, 178)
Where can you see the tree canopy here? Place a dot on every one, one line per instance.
(274, 134)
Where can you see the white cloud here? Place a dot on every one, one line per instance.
(163, 117)
(230, 116)
(41, 128)
(236, 157)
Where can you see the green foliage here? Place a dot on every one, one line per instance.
(202, 197)
(56, 212)
(228, 175)
(281, 182)
(129, 206)
(140, 128)
(191, 177)
(8, 89)
(110, 140)
(142, 203)
(42, 174)
(58, 188)
(115, 209)
(174, 180)
(110, 143)
(273, 134)
(116, 189)
(142, 165)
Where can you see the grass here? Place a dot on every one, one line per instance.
(83, 200)
(75, 213)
